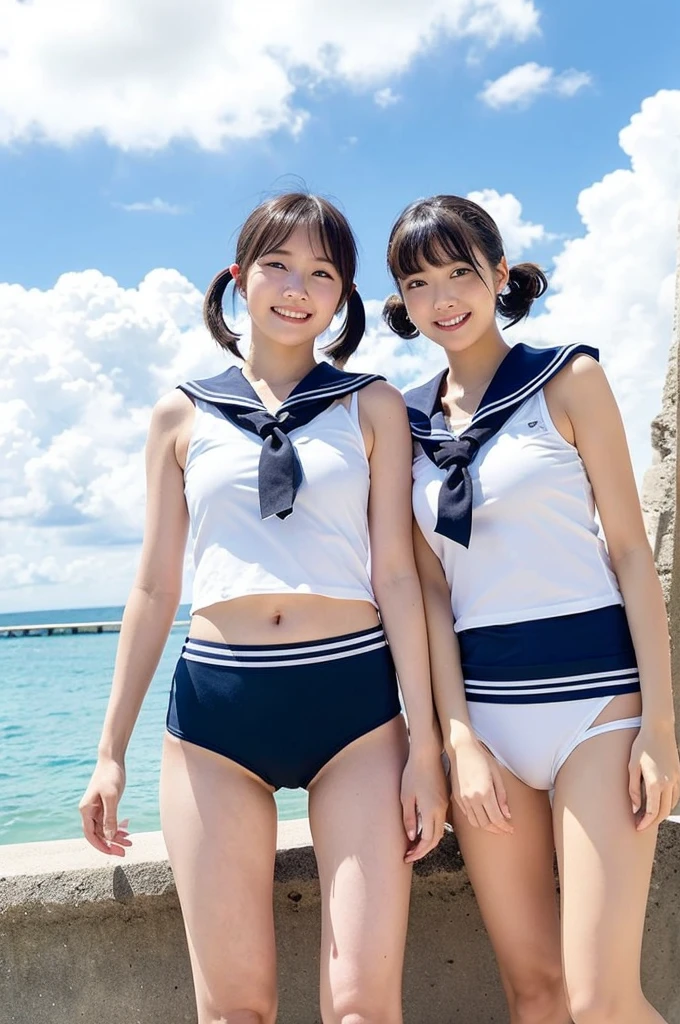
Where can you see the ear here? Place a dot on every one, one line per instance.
(235, 272)
(502, 275)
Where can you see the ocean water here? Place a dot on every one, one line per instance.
(53, 695)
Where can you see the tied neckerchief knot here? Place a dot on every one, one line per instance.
(279, 473)
(523, 372)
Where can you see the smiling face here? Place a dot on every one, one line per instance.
(454, 303)
(294, 291)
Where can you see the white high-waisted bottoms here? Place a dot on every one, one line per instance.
(535, 688)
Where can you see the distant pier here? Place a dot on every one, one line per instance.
(64, 628)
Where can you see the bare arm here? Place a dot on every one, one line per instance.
(148, 616)
(397, 589)
(476, 783)
(581, 392)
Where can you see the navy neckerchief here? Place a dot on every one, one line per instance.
(279, 471)
(523, 372)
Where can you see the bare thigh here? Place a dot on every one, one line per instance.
(514, 882)
(219, 824)
(605, 868)
(360, 843)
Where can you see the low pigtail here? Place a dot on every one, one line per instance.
(397, 319)
(213, 314)
(352, 331)
(526, 283)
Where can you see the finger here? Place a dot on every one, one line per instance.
(90, 832)
(425, 845)
(666, 802)
(480, 815)
(424, 835)
(410, 816)
(635, 786)
(496, 816)
(501, 792)
(110, 821)
(653, 790)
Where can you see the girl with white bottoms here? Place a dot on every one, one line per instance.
(549, 651)
(283, 471)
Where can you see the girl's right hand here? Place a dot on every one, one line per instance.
(478, 788)
(99, 808)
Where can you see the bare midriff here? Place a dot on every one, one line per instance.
(281, 619)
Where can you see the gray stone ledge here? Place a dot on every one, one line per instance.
(60, 875)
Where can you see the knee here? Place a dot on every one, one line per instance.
(595, 1005)
(239, 1017)
(362, 1009)
(262, 1014)
(537, 995)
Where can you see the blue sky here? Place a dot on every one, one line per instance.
(58, 205)
(134, 139)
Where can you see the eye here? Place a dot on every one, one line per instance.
(460, 272)
(415, 284)
(323, 273)
(276, 265)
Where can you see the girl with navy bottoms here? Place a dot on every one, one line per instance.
(285, 471)
(549, 650)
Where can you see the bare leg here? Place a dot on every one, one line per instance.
(219, 824)
(514, 882)
(605, 868)
(359, 839)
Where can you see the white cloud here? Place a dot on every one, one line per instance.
(386, 97)
(84, 362)
(155, 205)
(518, 234)
(143, 74)
(612, 287)
(571, 82)
(525, 83)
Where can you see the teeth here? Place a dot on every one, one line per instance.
(291, 314)
(452, 323)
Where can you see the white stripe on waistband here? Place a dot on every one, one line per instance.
(235, 662)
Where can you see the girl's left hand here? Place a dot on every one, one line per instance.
(424, 801)
(654, 764)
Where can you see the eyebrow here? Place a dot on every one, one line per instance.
(287, 252)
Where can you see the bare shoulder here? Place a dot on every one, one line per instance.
(581, 374)
(172, 412)
(381, 401)
(580, 383)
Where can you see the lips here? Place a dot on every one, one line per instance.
(293, 315)
(453, 323)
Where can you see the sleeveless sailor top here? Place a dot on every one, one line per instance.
(321, 548)
(534, 550)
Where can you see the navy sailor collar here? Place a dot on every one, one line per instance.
(523, 372)
(231, 388)
(279, 473)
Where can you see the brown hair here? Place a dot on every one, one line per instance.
(442, 229)
(266, 229)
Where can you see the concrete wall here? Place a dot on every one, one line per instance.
(83, 939)
(660, 498)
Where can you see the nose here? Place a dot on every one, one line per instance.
(445, 298)
(295, 286)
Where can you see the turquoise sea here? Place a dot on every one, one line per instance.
(53, 695)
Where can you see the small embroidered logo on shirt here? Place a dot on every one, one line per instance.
(532, 423)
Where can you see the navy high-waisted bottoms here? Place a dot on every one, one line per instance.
(283, 711)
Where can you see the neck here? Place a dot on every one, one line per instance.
(278, 365)
(474, 367)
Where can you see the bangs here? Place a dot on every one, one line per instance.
(434, 236)
(326, 228)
